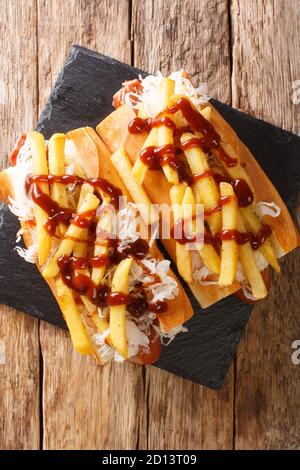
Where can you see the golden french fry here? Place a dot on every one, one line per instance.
(73, 233)
(117, 320)
(101, 324)
(229, 253)
(164, 133)
(206, 251)
(85, 190)
(235, 172)
(166, 90)
(71, 314)
(206, 113)
(102, 246)
(123, 166)
(183, 256)
(205, 189)
(251, 270)
(56, 160)
(40, 167)
(139, 169)
(210, 257)
(267, 248)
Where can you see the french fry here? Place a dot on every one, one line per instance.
(164, 133)
(229, 253)
(117, 320)
(56, 160)
(102, 246)
(123, 166)
(206, 251)
(139, 169)
(74, 232)
(210, 257)
(86, 189)
(205, 189)
(206, 113)
(267, 248)
(252, 273)
(235, 172)
(251, 220)
(71, 314)
(40, 167)
(183, 256)
(166, 90)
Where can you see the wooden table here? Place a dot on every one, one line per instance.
(51, 398)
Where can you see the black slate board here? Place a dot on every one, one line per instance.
(82, 96)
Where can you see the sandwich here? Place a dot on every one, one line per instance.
(167, 138)
(94, 247)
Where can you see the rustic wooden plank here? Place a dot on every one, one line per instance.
(169, 35)
(19, 343)
(185, 34)
(84, 406)
(265, 63)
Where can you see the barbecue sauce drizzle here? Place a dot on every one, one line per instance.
(58, 214)
(101, 295)
(196, 122)
(81, 284)
(156, 157)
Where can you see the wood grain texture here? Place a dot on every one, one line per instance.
(265, 62)
(102, 26)
(84, 406)
(182, 415)
(188, 34)
(265, 39)
(19, 364)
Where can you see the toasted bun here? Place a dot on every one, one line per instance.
(87, 143)
(6, 187)
(114, 133)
